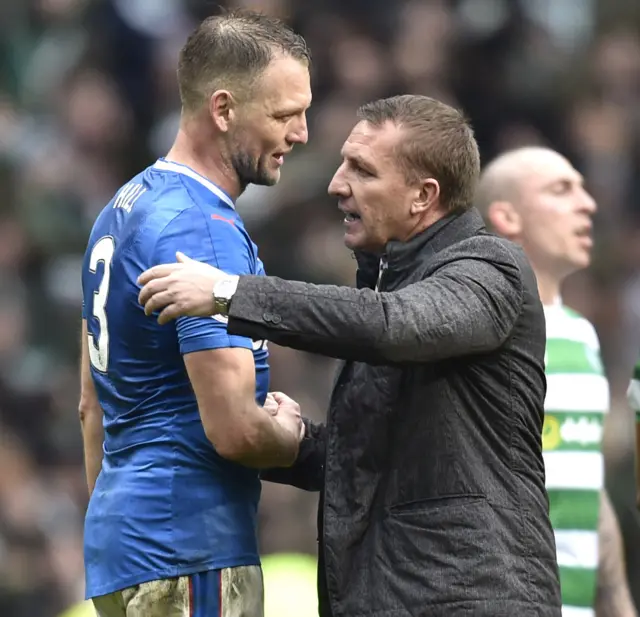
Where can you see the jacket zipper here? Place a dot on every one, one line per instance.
(337, 386)
(383, 266)
(329, 589)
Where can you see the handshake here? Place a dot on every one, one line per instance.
(286, 413)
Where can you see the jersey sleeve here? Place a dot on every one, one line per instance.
(217, 242)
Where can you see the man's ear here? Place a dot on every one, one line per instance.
(427, 196)
(504, 219)
(222, 109)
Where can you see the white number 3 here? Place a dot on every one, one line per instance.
(102, 251)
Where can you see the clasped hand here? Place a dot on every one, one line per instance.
(286, 412)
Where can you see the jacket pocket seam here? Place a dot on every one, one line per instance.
(436, 503)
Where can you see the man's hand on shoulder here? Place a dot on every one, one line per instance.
(184, 288)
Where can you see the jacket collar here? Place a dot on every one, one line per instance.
(447, 231)
(401, 256)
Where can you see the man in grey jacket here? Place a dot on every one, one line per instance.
(430, 465)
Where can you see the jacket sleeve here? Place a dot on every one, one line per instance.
(307, 472)
(468, 306)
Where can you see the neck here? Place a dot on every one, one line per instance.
(548, 287)
(431, 217)
(197, 147)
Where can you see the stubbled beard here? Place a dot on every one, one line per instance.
(250, 170)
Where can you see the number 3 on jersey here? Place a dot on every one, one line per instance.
(99, 350)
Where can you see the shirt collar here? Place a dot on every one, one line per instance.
(164, 165)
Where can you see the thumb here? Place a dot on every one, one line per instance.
(281, 398)
(182, 258)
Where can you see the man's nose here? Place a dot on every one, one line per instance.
(300, 132)
(588, 203)
(338, 187)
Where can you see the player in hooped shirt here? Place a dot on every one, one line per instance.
(176, 419)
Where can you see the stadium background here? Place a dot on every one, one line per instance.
(88, 98)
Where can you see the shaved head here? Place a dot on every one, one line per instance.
(503, 178)
(535, 197)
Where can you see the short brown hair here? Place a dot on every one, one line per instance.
(439, 141)
(230, 51)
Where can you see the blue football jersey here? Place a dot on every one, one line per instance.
(165, 503)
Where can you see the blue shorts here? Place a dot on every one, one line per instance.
(230, 592)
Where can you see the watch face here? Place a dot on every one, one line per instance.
(222, 290)
(222, 293)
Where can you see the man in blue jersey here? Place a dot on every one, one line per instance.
(176, 420)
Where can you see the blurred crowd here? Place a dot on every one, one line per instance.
(88, 98)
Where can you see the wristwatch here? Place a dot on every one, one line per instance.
(223, 292)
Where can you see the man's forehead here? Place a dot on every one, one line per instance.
(369, 139)
(548, 170)
(286, 78)
(536, 168)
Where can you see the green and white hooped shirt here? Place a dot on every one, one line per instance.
(576, 403)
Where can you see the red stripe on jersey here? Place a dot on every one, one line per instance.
(217, 217)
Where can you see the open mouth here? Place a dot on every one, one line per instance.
(349, 215)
